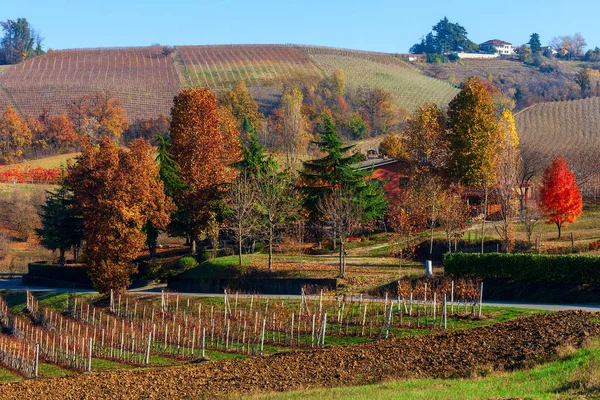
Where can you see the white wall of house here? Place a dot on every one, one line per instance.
(477, 56)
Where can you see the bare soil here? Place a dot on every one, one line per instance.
(507, 346)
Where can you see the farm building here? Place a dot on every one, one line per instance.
(394, 174)
(498, 46)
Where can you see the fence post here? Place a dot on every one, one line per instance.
(324, 329)
(36, 360)
(147, 360)
(445, 314)
(89, 366)
(480, 299)
(262, 337)
(203, 341)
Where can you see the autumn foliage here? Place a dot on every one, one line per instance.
(560, 198)
(204, 146)
(116, 191)
(30, 175)
(15, 135)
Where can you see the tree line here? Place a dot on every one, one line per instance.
(212, 177)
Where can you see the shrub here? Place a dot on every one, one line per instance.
(435, 58)
(187, 263)
(573, 269)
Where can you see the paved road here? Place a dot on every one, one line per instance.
(15, 284)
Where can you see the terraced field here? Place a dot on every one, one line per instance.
(147, 78)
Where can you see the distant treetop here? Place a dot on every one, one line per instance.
(445, 37)
(20, 42)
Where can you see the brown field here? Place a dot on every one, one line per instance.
(507, 346)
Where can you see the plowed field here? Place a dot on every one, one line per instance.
(510, 345)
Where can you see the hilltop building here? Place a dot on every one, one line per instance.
(497, 46)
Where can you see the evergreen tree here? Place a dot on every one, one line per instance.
(62, 227)
(254, 160)
(448, 37)
(534, 43)
(337, 169)
(172, 183)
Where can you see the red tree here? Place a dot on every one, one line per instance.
(560, 201)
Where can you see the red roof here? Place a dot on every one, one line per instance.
(495, 42)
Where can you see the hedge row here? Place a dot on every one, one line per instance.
(574, 269)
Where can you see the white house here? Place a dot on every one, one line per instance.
(499, 46)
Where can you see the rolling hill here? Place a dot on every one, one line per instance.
(569, 128)
(147, 78)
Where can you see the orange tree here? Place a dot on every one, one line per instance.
(560, 198)
(116, 191)
(15, 135)
(97, 115)
(205, 143)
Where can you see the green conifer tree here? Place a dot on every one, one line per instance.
(62, 228)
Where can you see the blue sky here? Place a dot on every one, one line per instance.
(378, 25)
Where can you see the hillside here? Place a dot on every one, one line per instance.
(548, 80)
(569, 128)
(147, 78)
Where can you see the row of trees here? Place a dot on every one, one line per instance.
(209, 179)
(89, 116)
(205, 180)
(476, 145)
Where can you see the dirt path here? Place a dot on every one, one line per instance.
(510, 345)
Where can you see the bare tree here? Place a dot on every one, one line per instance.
(532, 165)
(343, 213)
(573, 44)
(277, 204)
(529, 218)
(453, 213)
(241, 211)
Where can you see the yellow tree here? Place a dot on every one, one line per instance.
(204, 149)
(116, 191)
(426, 136)
(505, 191)
(473, 140)
(240, 103)
(291, 128)
(15, 135)
(393, 146)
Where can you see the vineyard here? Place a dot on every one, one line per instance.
(505, 346)
(408, 86)
(561, 128)
(36, 175)
(219, 67)
(130, 330)
(143, 78)
(147, 78)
